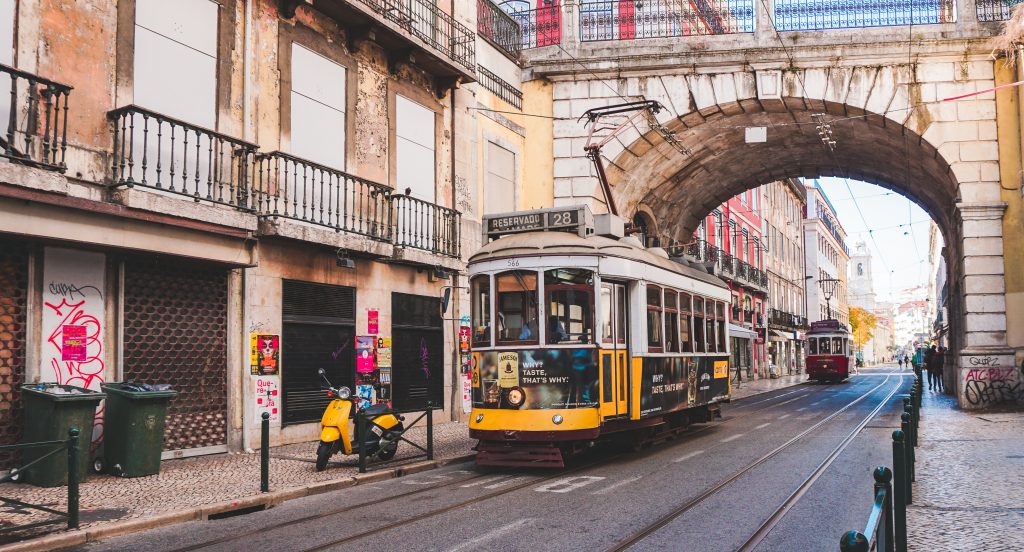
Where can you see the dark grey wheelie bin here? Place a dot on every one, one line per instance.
(134, 421)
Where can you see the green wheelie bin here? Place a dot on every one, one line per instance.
(134, 421)
(50, 411)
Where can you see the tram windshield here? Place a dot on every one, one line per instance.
(570, 299)
(517, 308)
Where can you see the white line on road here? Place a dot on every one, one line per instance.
(784, 416)
(688, 456)
(733, 438)
(493, 533)
(764, 425)
(482, 481)
(568, 484)
(817, 403)
(801, 409)
(501, 484)
(609, 488)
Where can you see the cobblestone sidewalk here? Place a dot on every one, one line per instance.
(200, 481)
(970, 472)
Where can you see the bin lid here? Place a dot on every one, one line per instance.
(133, 390)
(57, 392)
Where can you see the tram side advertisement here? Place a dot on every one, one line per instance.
(668, 384)
(535, 379)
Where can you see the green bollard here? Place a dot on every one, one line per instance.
(854, 541)
(73, 475)
(430, 431)
(883, 480)
(360, 432)
(910, 438)
(908, 455)
(899, 485)
(265, 453)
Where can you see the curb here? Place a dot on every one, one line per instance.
(745, 397)
(266, 500)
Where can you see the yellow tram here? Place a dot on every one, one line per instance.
(581, 334)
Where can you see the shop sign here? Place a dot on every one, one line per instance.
(372, 321)
(72, 345)
(264, 354)
(508, 369)
(266, 395)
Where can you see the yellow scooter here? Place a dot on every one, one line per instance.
(383, 429)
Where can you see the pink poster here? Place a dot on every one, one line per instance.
(73, 346)
(364, 354)
(372, 322)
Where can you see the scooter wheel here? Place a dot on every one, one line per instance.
(388, 452)
(323, 453)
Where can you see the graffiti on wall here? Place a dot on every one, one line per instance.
(986, 383)
(74, 322)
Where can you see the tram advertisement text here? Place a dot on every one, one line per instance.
(550, 379)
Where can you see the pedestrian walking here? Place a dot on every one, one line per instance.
(935, 368)
(901, 364)
(929, 356)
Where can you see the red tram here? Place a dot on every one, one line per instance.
(829, 355)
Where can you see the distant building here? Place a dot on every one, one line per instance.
(862, 294)
(826, 257)
(911, 325)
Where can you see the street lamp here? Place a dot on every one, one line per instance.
(829, 286)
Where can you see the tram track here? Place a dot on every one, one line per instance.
(432, 513)
(766, 527)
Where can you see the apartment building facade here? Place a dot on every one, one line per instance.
(826, 258)
(784, 262)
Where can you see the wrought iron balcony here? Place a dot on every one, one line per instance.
(295, 188)
(423, 225)
(727, 262)
(540, 27)
(805, 15)
(742, 269)
(632, 19)
(510, 94)
(498, 28)
(405, 25)
(993, 10)
(37, 119)
(164, 153)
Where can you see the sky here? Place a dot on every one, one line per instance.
(894, 228)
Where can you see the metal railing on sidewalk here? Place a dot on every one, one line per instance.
(71, 515)
(362, 421)
(37, 120)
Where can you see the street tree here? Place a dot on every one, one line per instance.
(863, 324)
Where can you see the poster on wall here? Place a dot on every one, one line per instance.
(372, 321)
(365, 354)
(266, 395)
(74, 283)
(467, 395)
(383, 352)
(264, 354)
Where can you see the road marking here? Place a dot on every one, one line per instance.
(501, 484)
(801, 409)
(432, 478)
(817, 403)
(790, 400)
(784, 416)
(609, 488)
(568, 484)
(733, 438)
(493, 533)
(688, 456)
(482, 481)
(764, 425)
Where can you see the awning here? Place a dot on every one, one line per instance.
(741, 332)
(781, 336)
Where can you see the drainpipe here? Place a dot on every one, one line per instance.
(246, 66)
(456, 400)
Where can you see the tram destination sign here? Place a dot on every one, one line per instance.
(573, 219)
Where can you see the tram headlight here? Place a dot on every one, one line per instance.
(557, 419)
(515, 397)
(479, 418)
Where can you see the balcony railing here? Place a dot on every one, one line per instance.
(510, 94)
(426, 21)
(540, 27)
(742, 269)
(748, 316)
(992, 10)
(423, 225)
(635, 19)
(728, 262)
(161, 152)
(498, 28)
(806, 15)
(291, 187)
(37, 118)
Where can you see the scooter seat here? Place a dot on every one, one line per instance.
(375, 410)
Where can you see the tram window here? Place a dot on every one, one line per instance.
(606, 315)
(812, 346)
(620, 315)
(517, 307)
(671, 322)
(824, 346)
(720, 320)
(698, 325)
(709, 320)
(837, 346)
(685, 343)
(654, 341)
(570, 293)
(481, 311)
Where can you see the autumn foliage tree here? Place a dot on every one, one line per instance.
(863, 324)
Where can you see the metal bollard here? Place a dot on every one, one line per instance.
(361, 440)
(854, 541)
(73, 475)
(430, 431)
(910, 438)
(883, 480)
(265, 453)
(908, 455)
(899, 484)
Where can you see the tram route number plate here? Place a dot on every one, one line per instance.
(525, 222)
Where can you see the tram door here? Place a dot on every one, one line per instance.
(614, 362)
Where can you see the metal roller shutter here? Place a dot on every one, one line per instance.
(13, 297)
(418, 341)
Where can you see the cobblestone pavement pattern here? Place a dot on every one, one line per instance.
(970, 471)
(200, 481)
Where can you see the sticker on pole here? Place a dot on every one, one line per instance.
(267, 396)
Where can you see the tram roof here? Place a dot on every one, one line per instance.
(532, 244)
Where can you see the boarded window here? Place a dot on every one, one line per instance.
(500, 185)
(317, 108)
(414, 134)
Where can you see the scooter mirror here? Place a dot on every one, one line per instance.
(321, 371)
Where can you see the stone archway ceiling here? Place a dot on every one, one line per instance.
(682, 190)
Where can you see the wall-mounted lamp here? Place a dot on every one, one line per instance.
(343, 260)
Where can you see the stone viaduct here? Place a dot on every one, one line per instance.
(881, 91)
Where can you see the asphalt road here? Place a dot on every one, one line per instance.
(711, 489)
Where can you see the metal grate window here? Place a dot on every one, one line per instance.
(13, 294)
(418, 341)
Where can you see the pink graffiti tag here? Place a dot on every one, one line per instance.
(87, 373)
(990, 374)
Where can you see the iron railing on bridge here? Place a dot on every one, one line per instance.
(498, 28)
(158, 151)
(635, 19)
(499, 87)
(805, 15)
(428, 22)
(540, 27)
(291, 187)
(37, 119)
(423, 225)
(993, 10)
